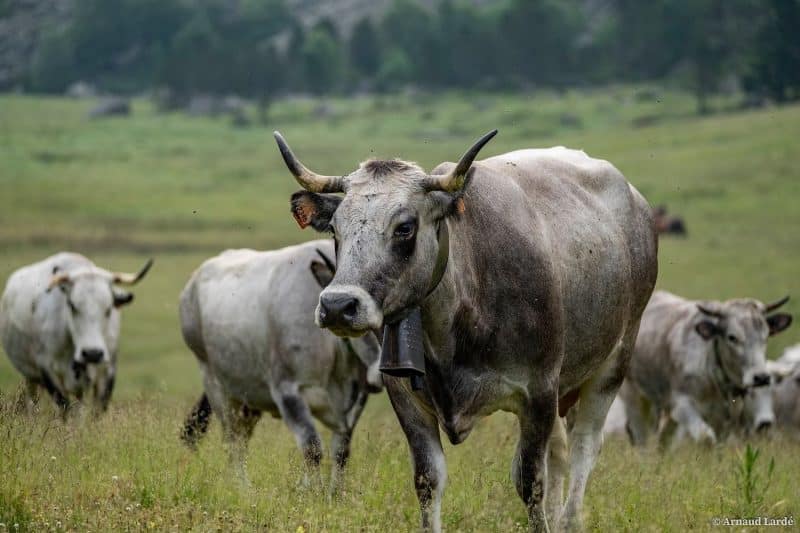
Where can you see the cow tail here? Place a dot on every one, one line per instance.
(196, 424)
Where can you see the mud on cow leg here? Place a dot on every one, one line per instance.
(528, 469)
(196, 424)
(60, 399)
(430, 471)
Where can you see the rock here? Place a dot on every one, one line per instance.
(111, 107)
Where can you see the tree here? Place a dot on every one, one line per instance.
(411, 28)
(365, 48)
(774, 67)
(53, 64)
(323, 62)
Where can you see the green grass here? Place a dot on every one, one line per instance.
(181, 189)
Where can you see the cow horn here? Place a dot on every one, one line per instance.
(455, 180)
(709, 312)
(310, 181)
(326, 260)
(125, 278)
(774, 305)
(57, 280)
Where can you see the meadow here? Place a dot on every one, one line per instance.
(180, 189)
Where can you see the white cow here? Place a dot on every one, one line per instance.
(786, 390)
(248, 317)
(60, 324)
(695, 365)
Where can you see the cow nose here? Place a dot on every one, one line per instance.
(337, 309)
(761, 380)
(92, 355)
(764, 426)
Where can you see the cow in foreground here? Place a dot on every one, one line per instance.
(530, 271)
(60, 325)
(696, 365)
(248, 317)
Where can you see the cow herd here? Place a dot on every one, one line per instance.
(522, 282)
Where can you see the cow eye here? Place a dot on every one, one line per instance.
(404, 230)
(108, 312)
(72, 307)
(733, 339)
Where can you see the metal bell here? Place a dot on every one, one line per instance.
(403, 353)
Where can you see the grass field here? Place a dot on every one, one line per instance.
(181, 189)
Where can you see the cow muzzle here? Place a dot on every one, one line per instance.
(92, 355)
(348, 311)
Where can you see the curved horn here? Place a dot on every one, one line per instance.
(774, 305)
(455, 180)
(124, 278)
(57, 279)
(708, 311)
(326, 260)
(310, 181)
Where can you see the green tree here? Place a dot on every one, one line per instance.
(53, 63)
(774, 65)
(395, 71)
(411, 28)
(365, 48)
(323, 62)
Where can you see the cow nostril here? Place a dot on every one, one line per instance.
(764, 426)
(761, 380)
(350, 308)
(92, 355)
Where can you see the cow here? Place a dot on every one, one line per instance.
(668, 224)
(248, 316)
(522, 275)
(785, 391)
(60, 326)
(694, 366)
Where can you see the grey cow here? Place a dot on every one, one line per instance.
(695, 366)
(530, 270)
(248, 317)
(785, 389)
(60, 325)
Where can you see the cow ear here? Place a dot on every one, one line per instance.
(313, 209)
(322, 273)
(706, 329)
(778, 322)
(121, 297)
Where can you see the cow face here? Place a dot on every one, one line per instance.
(386, 230)
(92, 318)
(92, 301)
(740, 329)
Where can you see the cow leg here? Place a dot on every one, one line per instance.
(196, 424)
(557, 466)
(61, 401)
(297, 416)
(684, 414)
(529, 467)
(422, 432)
(29, 398)
(106, 392)
(586, 437)
(637, 409)
(340, 443)
(237, 424)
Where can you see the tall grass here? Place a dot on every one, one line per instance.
(181, 189)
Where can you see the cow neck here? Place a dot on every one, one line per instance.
(725, 384)
(442, 257)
